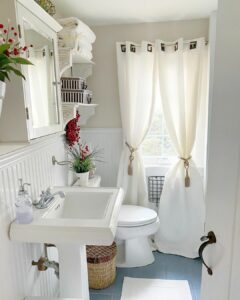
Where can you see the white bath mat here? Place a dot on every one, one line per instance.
(155, 289)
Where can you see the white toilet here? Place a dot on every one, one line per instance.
(135, 225)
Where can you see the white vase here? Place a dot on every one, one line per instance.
(2, 94)
(83, 178)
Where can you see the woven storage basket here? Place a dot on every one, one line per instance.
(101, 266)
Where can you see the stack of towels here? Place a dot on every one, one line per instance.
(76, 35)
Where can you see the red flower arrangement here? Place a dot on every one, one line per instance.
(10, 51)
(73, 131)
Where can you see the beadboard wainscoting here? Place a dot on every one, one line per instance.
(109, 141)
(33, 163)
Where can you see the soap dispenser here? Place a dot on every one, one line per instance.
(24, 210)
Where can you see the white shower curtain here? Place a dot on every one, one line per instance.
(182, 80)
(137, 97)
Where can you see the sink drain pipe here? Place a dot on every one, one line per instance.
(44, 263)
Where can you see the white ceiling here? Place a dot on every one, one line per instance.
(106, 12)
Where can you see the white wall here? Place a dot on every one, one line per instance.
(109, 141)
(104, 82)
(18, 278)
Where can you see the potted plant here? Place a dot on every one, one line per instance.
(10, 57)
(82, 162)
(48, 6)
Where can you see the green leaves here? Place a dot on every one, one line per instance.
(4, 48)
(21, 61)
(8, 64)
(9, 68)
(82, 166)
(4, 60)
(3, 75)
(82, 160)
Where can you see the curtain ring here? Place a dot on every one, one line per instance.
(131, 158)
(186, 166)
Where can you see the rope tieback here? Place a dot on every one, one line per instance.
(186, 166)
(131, 158)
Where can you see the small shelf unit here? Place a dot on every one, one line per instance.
(69, 58)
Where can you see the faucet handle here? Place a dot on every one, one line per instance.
(49, 190)
(43, 193)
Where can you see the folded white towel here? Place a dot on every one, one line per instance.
(84, 43)
(68, 39)
(78, 26)
(62, 44)
(73, 41)
(85, 54)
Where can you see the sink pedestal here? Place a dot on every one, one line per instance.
(73, 272)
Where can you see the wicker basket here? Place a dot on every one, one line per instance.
(101, 266)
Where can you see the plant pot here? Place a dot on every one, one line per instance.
(2, 94)
(83, 178)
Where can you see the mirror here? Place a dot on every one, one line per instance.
(41, 78)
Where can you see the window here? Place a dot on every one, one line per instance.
(157, 147)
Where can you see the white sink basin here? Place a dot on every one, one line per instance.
(85, 216)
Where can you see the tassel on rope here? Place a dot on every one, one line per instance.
(186, 166)
(131, 158)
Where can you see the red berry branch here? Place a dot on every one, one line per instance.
(9, 35)
(10, 52)
(73, 131)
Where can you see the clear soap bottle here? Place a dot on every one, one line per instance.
(24, 210)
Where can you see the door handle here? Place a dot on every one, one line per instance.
(208, 240)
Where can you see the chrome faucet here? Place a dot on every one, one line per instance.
(47, 197)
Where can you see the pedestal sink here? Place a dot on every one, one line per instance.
(86, 216)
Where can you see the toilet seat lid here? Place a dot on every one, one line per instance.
(133, 215)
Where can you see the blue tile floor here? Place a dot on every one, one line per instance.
(165, 267)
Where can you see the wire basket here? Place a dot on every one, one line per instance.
(155, 187)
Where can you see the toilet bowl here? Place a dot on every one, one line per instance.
(135, 225)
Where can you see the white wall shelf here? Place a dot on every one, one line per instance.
(85, 110)
(69, 58)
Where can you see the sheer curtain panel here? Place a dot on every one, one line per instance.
(137, 97)
(182, 79)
